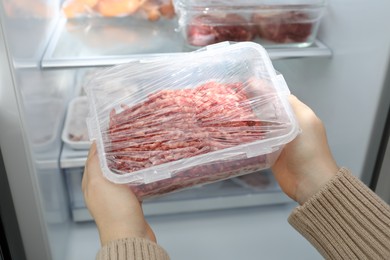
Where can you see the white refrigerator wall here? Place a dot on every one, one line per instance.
(345, 91)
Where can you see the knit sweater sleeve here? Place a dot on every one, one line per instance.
(132, 249)
(345, 220)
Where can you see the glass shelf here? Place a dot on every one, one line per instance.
(109, 41)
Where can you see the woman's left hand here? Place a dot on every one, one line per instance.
(114, 207)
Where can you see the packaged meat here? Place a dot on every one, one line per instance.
(192, 118)
(75, 132)
(151, 10)
(272, 23)
(285, 26)
(208, 29)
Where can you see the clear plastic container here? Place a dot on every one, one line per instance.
(75, 132)
(189, 119)
(151, 10)
(280, 23)
(44, 117)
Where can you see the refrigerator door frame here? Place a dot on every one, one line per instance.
(379, 180)
(19, 166)
(11, 246)
(383, 184)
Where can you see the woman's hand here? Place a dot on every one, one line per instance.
(114, 207)
(306, 164)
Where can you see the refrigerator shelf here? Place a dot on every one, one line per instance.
(108, 41)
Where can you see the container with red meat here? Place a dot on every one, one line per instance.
(195, 118)
(152, 10)
(75, 133)
(272, 23)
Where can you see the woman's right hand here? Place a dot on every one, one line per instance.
(306, 164)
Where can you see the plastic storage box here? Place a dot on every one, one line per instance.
(151, 10)
(45, 130)
(189, 119)
(272, 23)
(75, 132)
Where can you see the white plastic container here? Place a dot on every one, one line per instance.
(44, 131)
(281, 23)
(75, 132)
(189, 119)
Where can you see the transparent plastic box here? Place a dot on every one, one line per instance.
(75, 132)
(151, 10)
(280, 23)
(44, 117)
(188, 119)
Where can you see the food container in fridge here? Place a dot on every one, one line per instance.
(83, 77)
(45, 130)
(151, 10)
(281, 23)
(191, 118)
(75, 132)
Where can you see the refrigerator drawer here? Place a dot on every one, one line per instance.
(232, 193)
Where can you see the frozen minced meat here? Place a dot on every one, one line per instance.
(208, 29)
(175, 124)
(283, 26)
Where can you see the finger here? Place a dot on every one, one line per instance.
(304, 114)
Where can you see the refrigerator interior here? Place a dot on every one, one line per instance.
(45, 62)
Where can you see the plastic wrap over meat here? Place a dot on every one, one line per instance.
(192, 118)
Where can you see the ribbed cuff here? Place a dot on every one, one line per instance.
(132, 249)
(345, 220)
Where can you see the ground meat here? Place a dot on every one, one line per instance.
(283, 27)
(171, 125)
(201, 174)
(207, 29)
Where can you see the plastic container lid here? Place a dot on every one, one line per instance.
(160, 108)
(212, 5)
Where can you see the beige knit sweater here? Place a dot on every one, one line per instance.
(132, 249)
(345, 220)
